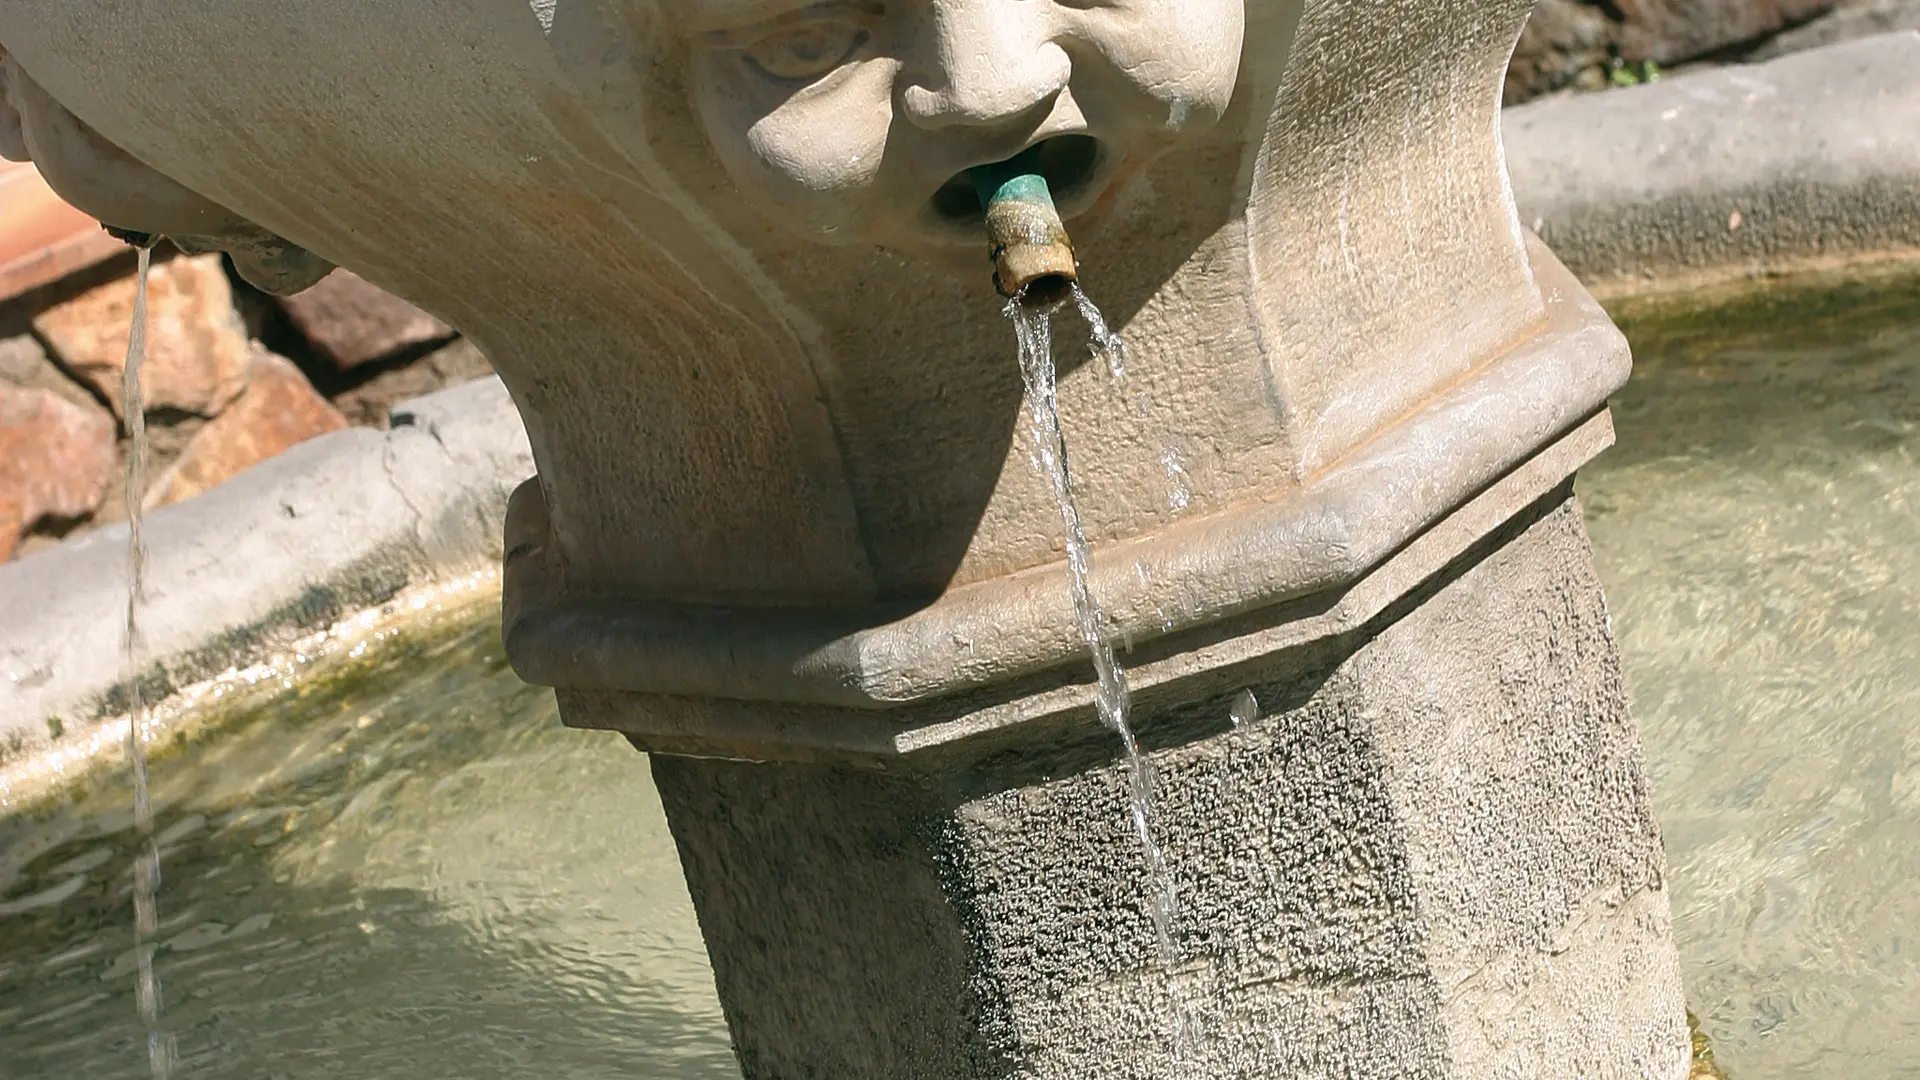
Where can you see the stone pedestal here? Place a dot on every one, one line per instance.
(1429, 855)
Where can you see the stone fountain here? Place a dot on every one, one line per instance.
(786, 537)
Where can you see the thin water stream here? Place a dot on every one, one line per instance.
(146, 863)
(1033, 328)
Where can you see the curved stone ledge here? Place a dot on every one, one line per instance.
(334, 525)
(1345, 523)
(1808, 159)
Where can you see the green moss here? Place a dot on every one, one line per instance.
(1812, 309)
(1704, 1067)
(1623, 73)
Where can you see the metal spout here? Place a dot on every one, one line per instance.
(1032, 255)
(132, 237)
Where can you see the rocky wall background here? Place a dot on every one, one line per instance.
(1583, 45)
(232, 377)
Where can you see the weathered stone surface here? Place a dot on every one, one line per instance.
(197, 351)
(56, 460)
(1809, 158)
(353, 321)
(335, 524)
(1430, 854)
(278, 410)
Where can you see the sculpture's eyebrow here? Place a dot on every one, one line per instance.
(721, 16)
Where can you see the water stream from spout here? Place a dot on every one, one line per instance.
(146, 863)
(1033, 327)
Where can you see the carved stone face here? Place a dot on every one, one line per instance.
(854, 121)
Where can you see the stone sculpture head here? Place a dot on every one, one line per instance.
(854, 121)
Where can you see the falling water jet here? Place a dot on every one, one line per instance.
(1034, 267)
(1033, 327)
(146, 865)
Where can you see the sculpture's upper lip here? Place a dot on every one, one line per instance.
(1077, 167)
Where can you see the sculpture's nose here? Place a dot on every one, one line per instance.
(987, 64)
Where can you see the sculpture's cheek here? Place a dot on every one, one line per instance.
(815, 160)
(1184, 54)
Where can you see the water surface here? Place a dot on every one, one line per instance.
(416, 875)
(1758, 529)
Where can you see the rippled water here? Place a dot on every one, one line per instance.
(418, 874)
(1759, 534)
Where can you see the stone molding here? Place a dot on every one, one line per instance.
(1358, 536)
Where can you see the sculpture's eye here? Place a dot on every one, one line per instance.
(806, 51)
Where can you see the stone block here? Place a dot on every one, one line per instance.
(56, 460)
(352, 321)
(279, 409)
(197, 351)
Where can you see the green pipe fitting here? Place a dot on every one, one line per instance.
(1032, 255)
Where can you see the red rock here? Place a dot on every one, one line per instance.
(278, 410)
(56, 460)
(351, 321)
(197, 350)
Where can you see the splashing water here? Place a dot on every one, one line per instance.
(1245, 710)
(146, 866)
(1101, 338)
(1034, 330)
(1109, 346)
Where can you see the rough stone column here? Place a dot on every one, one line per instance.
(785, 534)
(1430, 855)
